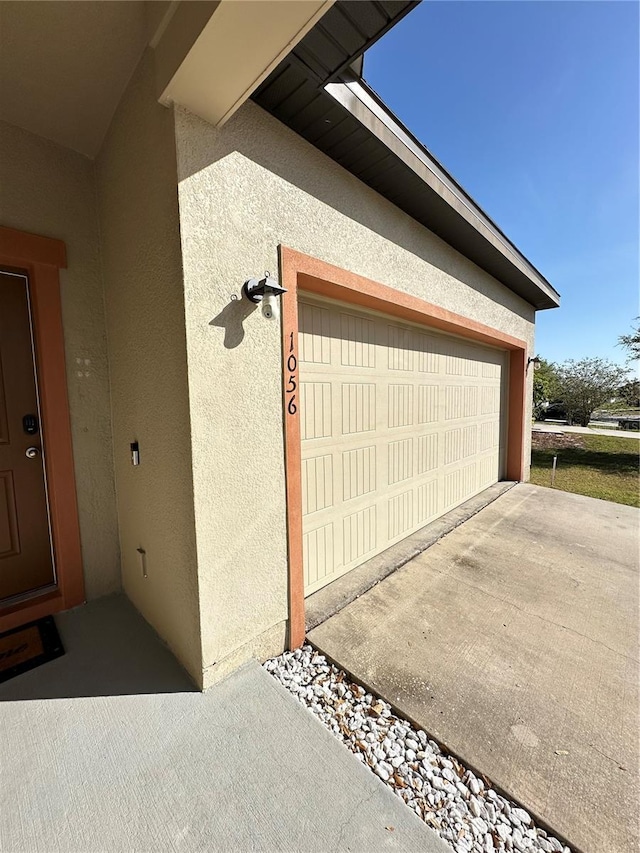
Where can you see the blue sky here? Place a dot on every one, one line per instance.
(533, 107)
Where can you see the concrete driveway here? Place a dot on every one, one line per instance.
(514, 641)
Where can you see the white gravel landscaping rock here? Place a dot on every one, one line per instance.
(451, 799)
(521, 816)
(474, 806)
(474, 784)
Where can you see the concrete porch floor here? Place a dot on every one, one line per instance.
(111, 748)
(514, 641)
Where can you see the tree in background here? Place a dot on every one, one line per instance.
(630, 394)
(631, 342)
(585, 385)
(545, 387)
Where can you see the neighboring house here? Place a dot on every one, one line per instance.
(154, 157)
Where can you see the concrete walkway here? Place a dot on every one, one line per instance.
(543, 426)
(514, 640)
(243, 767)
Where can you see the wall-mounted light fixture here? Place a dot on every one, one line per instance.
(265, 291)
(535, 360)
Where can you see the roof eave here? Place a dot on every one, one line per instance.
(362, 103)
(315, 93)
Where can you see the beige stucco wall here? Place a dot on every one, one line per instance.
(49, 190)
(138, 212)
(243, 189)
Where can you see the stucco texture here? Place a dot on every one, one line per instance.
(49, 190)
(138, 211)
(243, 189)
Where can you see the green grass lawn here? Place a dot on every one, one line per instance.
(594, 465)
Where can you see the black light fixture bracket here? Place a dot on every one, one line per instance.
(255, 289)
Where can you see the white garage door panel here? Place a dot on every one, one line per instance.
(398, 425)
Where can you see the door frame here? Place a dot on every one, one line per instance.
(40, 259)
(299, 271)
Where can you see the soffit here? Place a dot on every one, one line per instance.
(314, 92)
(64, 66)
(240, 44)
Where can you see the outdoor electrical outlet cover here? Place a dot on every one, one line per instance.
(143, 561)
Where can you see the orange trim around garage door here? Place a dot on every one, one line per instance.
(303, 272)
(40, 259)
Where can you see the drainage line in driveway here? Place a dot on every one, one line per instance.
(443, 746)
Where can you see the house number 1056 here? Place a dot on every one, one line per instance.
(292, 365)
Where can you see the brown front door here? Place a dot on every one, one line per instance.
(26, 562)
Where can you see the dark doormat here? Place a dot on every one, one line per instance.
(28, 646)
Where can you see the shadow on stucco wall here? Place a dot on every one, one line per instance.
(259, 137)
(231, 319)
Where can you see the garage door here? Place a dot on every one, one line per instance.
(399, 424)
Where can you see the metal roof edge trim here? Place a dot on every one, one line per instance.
(365, 106)
(369, 95)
